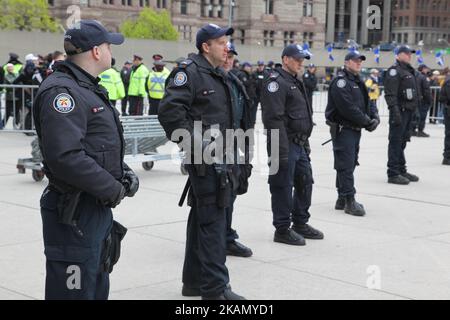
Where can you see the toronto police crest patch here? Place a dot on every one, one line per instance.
(341, 83)
(63, 103)
(273, 86)
(180, 78)
(392, 72)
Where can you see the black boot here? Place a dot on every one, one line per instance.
(237, 249)
(446, 162)
(190, 292)
(354, 208)
(398, 180)
(228, 294)
(307, 232)
(289, 236)
(411, 177)
(340, 203)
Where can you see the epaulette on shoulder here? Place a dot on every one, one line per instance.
(340, 74)
(274, 75)
(185, 63)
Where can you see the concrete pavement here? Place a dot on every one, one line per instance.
(401, 247)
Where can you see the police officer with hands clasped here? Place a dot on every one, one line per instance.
(402, 98)
(285, 108)
(82, 144)
(198, 92)
(348, 111)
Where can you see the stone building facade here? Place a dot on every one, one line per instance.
(271, 23)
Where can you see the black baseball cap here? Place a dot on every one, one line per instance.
(422, 66)
(295, 51)
(354, 55)
(232, 48)
(404, 49)
(87, 34)
(211, 31)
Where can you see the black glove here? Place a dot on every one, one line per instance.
(373, 125)
(130, 181)
(395, 118)
(307, 147)
(114, 203)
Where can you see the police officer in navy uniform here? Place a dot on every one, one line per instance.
(348, 111)
(286, 109)
(402, 98)
(82, 144)
(198, 92)
(242, 113)
(444, 98)
(310, 81)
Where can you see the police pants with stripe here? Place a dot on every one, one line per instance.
(291, 204)
(74, 266)
(205, 256)
(346, 149)
(399, 135)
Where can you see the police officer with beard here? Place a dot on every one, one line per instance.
(198, 92)
(82, 145)
(286, 109)
(348, 111)
(402, 98)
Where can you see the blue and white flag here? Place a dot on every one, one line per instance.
(376, 52)
(419, 56)
(440, 58)
(330, 50)
(307, 49)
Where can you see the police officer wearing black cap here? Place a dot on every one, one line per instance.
(82, 144)
(420, 116)
(310, 81)
(285, 108)
(402, 98)
(348, 111)
(198, 91)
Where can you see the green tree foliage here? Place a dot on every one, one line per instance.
(26, 15)
(150, 25)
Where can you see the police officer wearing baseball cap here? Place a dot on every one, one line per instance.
(285, 108)
(82, 145)
(198, 91)
(347, 113)
(402, 98)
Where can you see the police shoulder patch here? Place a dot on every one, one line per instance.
(393, 72)
(273, 86)
(63, 103)
(180, 78)
(341, 83)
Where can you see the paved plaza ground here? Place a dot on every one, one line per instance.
(399, 250)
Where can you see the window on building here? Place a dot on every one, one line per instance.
(308, 37)
(242, 36)
(399, 37)
(220, 9)
(407, 4)
(203, 8)
(161, 4)
(272, 38)
(141, 3)
(269, 6)
(405, 38)
(130, 3)
(406, 21)
(438, 22)
(265, 37)
(307, 8)
(185, 32)
(400, 21)
(183, 7)
(402, 4)
(51, 3)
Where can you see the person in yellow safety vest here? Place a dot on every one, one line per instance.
(156, 84)
(14, 60)
(372, 84)
(137, 89)
(110, 79)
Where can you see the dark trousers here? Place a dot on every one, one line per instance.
(447, 133)
(289, 203)
(346, 150)
(74, 253)
(231, 233)
(10, 112)
(399, 135)
(136, 106)
(123, 105)
(154, 104)
(205, 256)
(423, 111)
(254, 110)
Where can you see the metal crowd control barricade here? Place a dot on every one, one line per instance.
(16, 107)
(143, 134)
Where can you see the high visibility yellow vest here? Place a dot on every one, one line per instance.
(17, 68)
(110, 79)
(374, 89)
(138, 78)
(156, 83)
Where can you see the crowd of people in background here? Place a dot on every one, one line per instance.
(134, 83)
